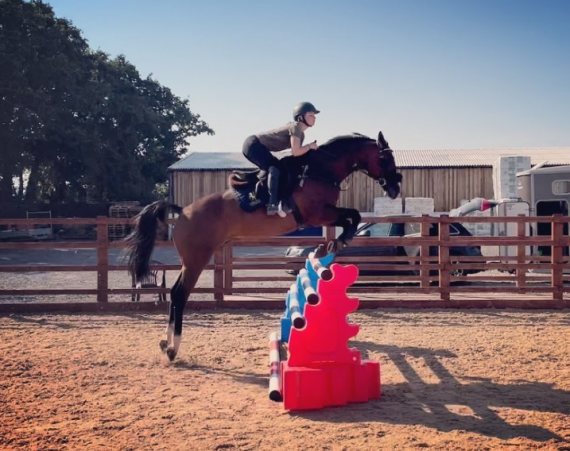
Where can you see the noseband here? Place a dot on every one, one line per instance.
(382, 152)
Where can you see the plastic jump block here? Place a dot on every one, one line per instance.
(300, 293)
(322, 370)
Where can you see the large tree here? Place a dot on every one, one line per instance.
(76, 124)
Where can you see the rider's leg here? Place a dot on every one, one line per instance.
(260, 155)
(273, 187)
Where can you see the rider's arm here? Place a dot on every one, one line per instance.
(297, 149)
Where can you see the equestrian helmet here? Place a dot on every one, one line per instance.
(302, 108)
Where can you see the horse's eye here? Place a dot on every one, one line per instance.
(382, 182)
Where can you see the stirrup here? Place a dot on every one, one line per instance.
(272, 209)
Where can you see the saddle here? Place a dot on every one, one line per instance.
(250, 187)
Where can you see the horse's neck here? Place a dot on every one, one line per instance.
(339, 169)
(332, 170)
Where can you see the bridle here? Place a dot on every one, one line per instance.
(382, 152)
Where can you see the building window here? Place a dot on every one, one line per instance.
(561, 187)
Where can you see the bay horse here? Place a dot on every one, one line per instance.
(210, 221)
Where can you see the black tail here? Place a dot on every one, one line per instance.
(141, 240)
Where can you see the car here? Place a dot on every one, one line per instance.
(455, 229)
(384, 252)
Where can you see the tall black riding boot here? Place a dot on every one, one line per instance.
(273, 188)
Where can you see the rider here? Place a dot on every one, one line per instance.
(257, 149)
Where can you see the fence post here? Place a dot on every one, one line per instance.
(521, 254)
(556, 258)
(228, 255)
(330, 233)
(219, 276)
(102, 259)
(424, 253)
(444, 257)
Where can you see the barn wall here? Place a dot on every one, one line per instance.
(191, 185)
(448, 186)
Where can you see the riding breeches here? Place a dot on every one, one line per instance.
(258, 154)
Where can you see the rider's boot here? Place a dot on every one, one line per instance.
(273, 188)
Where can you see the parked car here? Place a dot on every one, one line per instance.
(384, 252)
(455, 229)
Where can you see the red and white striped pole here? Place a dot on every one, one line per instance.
(311, 295)
(322, 271)
(274, 368)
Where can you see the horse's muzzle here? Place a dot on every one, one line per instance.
(391, 189)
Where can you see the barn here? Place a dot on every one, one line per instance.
(448, 176)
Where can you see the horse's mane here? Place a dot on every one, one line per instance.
(334, 147)
(329, 151)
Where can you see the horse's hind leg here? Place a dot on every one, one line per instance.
(178, 297)
(174, 293)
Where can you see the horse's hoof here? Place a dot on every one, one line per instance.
(332, 246)
(163, 345)
(171, 353)
(320, 251)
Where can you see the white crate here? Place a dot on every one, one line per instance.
(418, 206)
(384, 206)
(479, 228)
(505, 171)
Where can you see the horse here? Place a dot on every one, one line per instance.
(207, 223)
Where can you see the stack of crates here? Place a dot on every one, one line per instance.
(505, 169)
(122, 210)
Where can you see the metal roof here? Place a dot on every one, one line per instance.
(477, 157)
(405, 158)
(212, 161)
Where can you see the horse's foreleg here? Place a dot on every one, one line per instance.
(348, 219)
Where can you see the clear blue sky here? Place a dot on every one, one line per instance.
(429, 73)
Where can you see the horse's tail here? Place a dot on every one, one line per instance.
(140, 242)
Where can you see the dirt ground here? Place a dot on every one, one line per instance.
(478, 379)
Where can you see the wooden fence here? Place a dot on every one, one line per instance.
(522, 280)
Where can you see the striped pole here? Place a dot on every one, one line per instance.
(274, 368)
(311, 295)
(321, 271)
(297, 318)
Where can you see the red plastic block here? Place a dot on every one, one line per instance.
(331, 385)
(325, 337)
(322, 371)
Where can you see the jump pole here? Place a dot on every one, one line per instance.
(274, 368)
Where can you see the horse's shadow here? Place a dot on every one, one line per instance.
(503, 318)
(474, 404)
(450, 405)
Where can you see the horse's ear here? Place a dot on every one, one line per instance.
(382, 143)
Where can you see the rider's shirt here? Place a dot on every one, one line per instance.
(280, 138)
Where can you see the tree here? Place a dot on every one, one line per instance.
(75, 124)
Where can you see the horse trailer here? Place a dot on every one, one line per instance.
(547, 191)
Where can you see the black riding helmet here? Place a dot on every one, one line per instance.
(303, 108)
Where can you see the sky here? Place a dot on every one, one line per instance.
(431, 74)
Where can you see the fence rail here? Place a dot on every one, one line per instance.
(430, 278)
